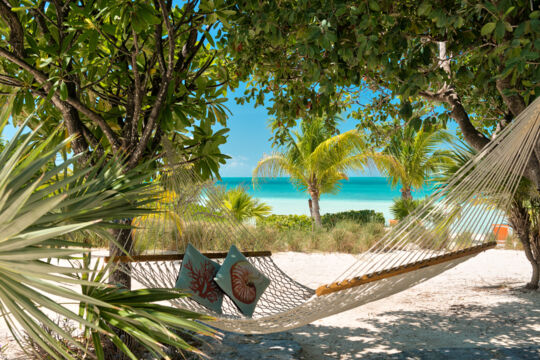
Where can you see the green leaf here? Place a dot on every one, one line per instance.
(424, 9)
(374, 5)
(138, 23)
(405, 110)
(63, 91)
(500, 29)
(45, 62)
(487, 29)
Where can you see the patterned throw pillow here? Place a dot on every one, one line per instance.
(196, 277)
(241, 281)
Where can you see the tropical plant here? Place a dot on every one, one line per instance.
(330, 220)
(121, 76)
(136, 314)
(243, 206)
(401, 207)
(42, 205)
(412, 157)
(523, 214)
(286, 222)
(108, 69)
(345, 54)
(316, 159)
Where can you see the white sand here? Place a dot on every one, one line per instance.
(480, 303)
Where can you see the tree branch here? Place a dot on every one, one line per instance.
(449, 96)
(16, 32)
(514, 102)
(137, 96)
(161, 95)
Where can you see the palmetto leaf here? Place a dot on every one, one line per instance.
(35, 215)
(134, 312)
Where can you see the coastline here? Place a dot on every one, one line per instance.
(283, 206)
(356, 193)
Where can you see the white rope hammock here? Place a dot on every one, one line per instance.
(454, 225)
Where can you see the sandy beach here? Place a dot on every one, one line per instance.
(479, 304)
(475, 308)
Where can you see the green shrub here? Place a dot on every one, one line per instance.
(286, 222)
(346, 236)
(356, 216)
(401, 208)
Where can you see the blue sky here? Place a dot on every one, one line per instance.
(249, 137)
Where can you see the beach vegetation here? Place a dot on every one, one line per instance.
(331, 220)
(287, 222)
(44, 205)
(120, 77)
(243, 206)
(345, 236)
(476, 61)
(412, 157)
(401, 208)
(316, 159)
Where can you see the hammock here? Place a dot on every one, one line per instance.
(454, 225)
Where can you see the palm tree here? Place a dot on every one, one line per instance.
(43, 207)
(523, 213)
(316, 160)
(243, 206)
(412, 157)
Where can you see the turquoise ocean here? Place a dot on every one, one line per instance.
(357, 193)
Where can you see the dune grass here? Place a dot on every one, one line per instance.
(346, 237)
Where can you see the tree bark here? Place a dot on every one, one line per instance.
(521, 223)
(125, 240)
(535, 278)
(315, 212)
(406, 193)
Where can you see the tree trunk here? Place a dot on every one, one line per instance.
(125, 240)
(315, 212)
(535, 278)
(518, 215)
(406, 193)
(122, 279)
(521, 223)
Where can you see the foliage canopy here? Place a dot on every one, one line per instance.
(121, 74)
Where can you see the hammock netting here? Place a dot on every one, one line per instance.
(453, 225)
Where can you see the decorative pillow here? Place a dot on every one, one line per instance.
(241, 281)
(196, 277)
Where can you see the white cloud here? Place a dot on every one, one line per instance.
(238, 165)
(237, 161)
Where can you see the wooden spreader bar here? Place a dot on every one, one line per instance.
(173, 257)
(398, 270)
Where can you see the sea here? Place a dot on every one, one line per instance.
(356, 193)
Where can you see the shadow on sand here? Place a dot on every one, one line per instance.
(509, 330)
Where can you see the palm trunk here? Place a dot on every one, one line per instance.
(406, 193)
(315, 211)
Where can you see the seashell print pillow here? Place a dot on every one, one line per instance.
(241, 281)
(196, 277)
